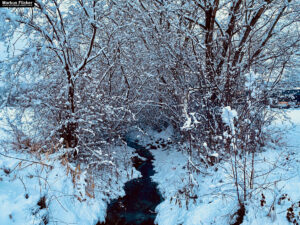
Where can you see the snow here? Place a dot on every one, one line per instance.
(216, 200)
(2, 51)
(9, 120)
(172, 177)
(211, 195)
(251, 78)
(66, 203)
(73, 196)
(148, 135)
(228, 115)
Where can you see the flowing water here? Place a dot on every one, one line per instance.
(137, 207)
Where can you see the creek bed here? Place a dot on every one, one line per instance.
(138, 205)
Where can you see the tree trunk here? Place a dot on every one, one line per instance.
(70, 127)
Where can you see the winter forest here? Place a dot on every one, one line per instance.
(143, 112)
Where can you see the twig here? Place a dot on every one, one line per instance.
(26, 160)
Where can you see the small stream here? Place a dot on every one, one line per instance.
(138, 205)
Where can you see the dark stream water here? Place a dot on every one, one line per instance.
(137, 207)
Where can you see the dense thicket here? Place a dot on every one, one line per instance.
(94, 68)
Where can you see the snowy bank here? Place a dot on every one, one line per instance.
(47, 189)
(209, 197)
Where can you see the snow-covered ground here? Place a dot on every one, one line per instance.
(35, 189)
(211, 200)
(212, 197)
(24, 183)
